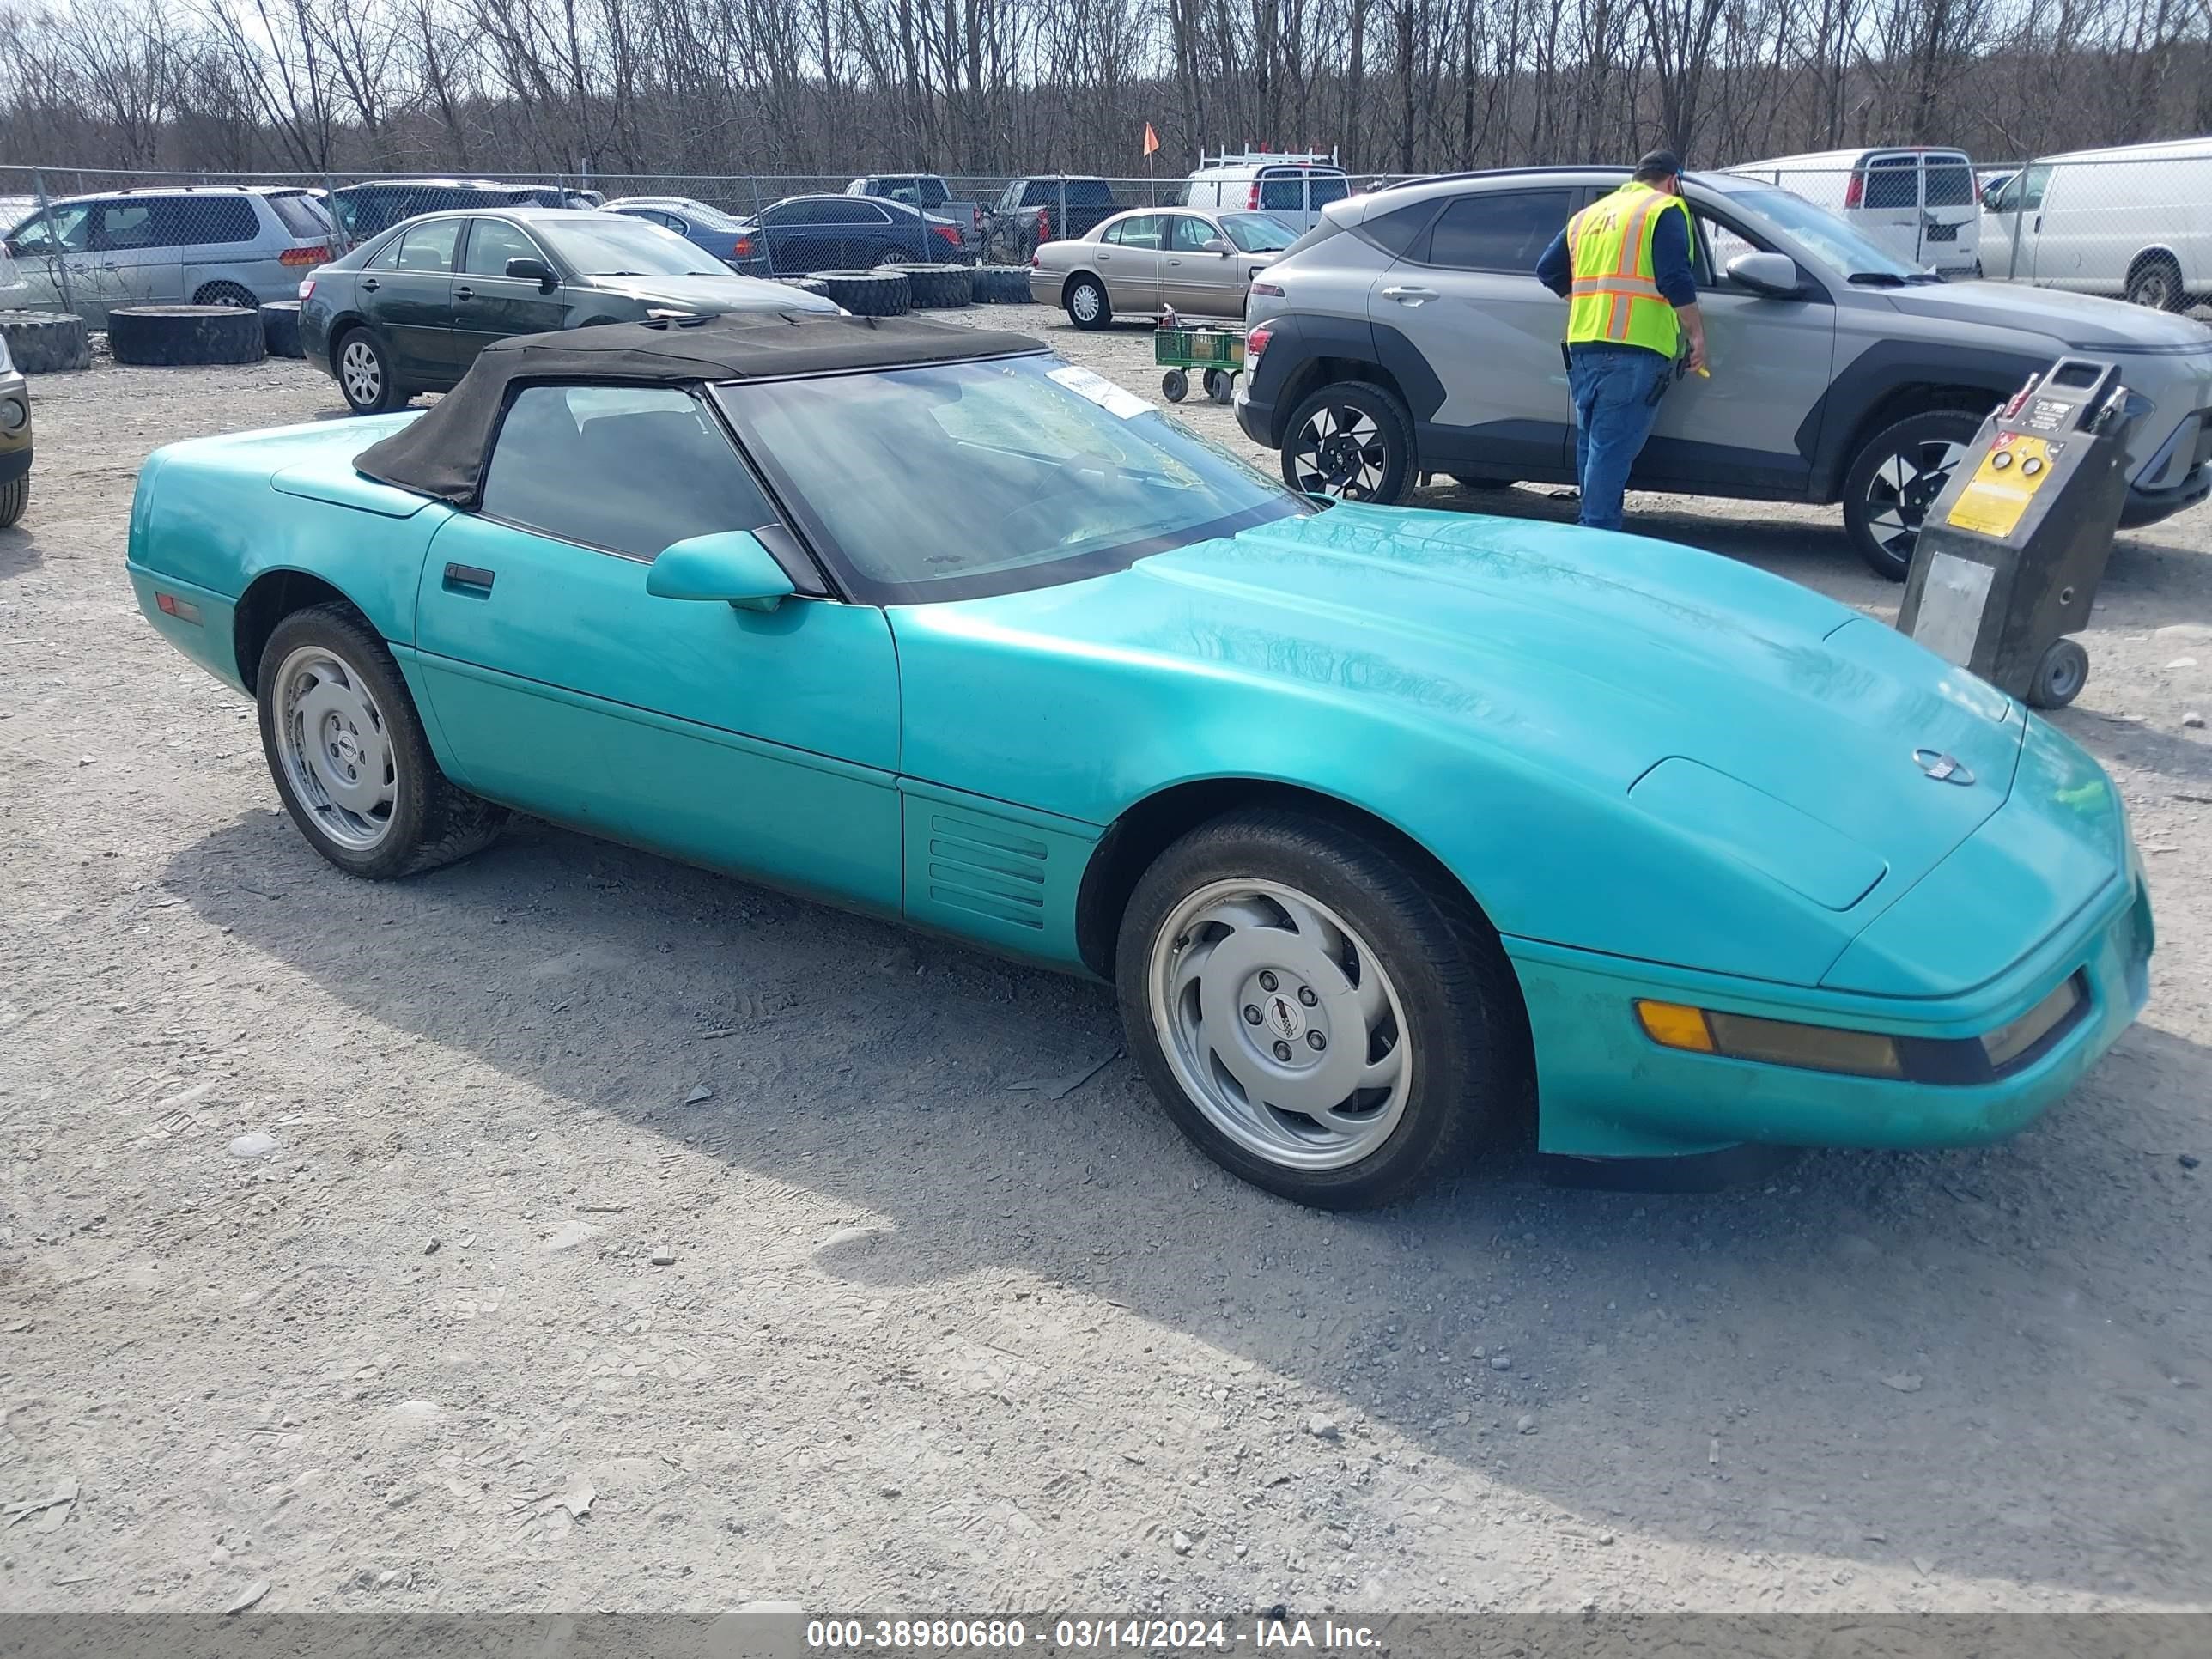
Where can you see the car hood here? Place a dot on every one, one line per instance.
(707, 294)
(1671, 694)
(2080, 320)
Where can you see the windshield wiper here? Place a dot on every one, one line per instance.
(1876, 278)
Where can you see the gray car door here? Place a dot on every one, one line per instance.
(1132, 258)
(1745, 423)
(1465, 299)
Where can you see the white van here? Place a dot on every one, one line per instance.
(1292, 188)
(1918, 203)
(2134, 222)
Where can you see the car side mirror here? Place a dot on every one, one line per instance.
(532, 270)
(1220, 245)
(730, 565)
(1774, 275)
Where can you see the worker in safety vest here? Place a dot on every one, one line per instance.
(1623, 266)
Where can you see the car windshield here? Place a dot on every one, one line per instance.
(616, 247)
(1258, 233)
(961, 479)
(1851, 254)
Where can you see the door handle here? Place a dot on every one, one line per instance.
(1409, 296)
(464, 293)
(469, 579)
(1104, 258)
(2039, 221)
(370, 285)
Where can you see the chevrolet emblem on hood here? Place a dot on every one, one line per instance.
(1944, 769)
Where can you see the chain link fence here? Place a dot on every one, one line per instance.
(2133, 224)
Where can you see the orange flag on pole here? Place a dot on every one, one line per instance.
(1152, 139)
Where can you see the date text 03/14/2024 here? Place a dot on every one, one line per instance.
(987, 1636)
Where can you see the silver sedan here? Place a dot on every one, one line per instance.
(1158, 259)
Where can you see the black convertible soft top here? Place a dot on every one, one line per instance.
(442, 454)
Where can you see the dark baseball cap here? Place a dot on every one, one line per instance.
(1658, 164)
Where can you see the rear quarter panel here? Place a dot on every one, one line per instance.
(207, 516)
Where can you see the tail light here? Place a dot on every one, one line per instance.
(1252, 198)
(1255, 343)
(950, 233)
(1855, 190)
(1268, 290)
(306, 287)
(1044, 226)
(1037, 260)
(742, 248)
(318, 255)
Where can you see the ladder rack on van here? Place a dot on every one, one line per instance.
(1261, 158)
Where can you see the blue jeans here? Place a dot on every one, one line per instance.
(1613, 412)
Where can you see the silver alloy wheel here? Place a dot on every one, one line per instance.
(1904, 487)
(2155, 286)
(1086, 303)
(1280, 1024)
(360, 372)
(1340, 452)
(336, 747)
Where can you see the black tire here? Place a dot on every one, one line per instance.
(867, 293)
(280, 328)
(365, 376)
(813, 285)
(2060, 676)
(15, 497)
(178, 336)
(1884, 504)
(2155, 281)
(1002, 285)
(1175, 385)
(1220, 384)
(939, 287)
(1352, 441)
(1463, 1017)
(1085, 297)
(430, 821)
(47, 341)
(236, 295)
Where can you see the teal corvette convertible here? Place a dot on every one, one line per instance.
(1401, 834)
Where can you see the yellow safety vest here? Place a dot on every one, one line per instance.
(1615, 299)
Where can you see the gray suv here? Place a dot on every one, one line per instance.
(1406, 334)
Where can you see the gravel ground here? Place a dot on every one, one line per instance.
(954, 1320)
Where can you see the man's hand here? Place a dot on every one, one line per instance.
(1696, 361)
(1694, 331)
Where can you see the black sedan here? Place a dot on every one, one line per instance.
(407, 311)
(803, 233)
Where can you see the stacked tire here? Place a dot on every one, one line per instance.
(1002, 285)
(868, 293)
(813, 285)
(175, 335)
(939, 287)
(280, 328)
(46, 342)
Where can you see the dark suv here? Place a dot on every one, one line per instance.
(1407, 334)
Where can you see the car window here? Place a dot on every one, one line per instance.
(126, 225)
(2024, 190)
(199, 221)
(1397, 232)
(1061, 474)
(609, 245)
(427, 248)
(59, 230)
(661, 469)
(1717, 244)
(1139, 230)
(301, 214)
(1505, 230)
(1323, 188)
(492, 243)
(1256, 233)
(1283, 193)
(1831, 240)
(1188, 233)
(1890, 184)
(1950, 183)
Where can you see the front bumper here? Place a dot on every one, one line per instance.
(1606, 1091)
(15, 446)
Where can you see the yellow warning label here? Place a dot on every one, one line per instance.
(2012, 470)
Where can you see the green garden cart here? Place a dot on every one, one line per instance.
(1216, 348)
